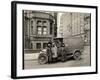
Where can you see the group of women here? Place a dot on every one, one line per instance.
(54, 48)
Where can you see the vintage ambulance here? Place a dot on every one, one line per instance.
(70, 47)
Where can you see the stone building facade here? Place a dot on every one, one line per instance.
(87, 28)
(75, 24)
(39, 28)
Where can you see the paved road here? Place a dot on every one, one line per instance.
(85, 61)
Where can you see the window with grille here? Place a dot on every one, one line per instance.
(38, 45)
(44, 45)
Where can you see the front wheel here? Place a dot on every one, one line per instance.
(42, 59)
(77, 55)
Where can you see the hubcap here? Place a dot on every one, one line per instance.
(77, 55)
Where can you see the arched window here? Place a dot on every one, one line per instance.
(39, 23)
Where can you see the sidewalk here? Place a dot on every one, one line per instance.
(31, 56)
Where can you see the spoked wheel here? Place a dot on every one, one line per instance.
(42, 59)
(77, 55)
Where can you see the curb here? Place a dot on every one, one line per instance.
(31, 56)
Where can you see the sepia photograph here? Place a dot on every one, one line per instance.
(56, 39)
(53, 39)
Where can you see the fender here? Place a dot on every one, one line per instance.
(75, 51)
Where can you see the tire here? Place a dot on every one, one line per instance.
(77, 55)
(42, 59)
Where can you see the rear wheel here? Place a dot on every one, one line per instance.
(42, 59)
(77, 55)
